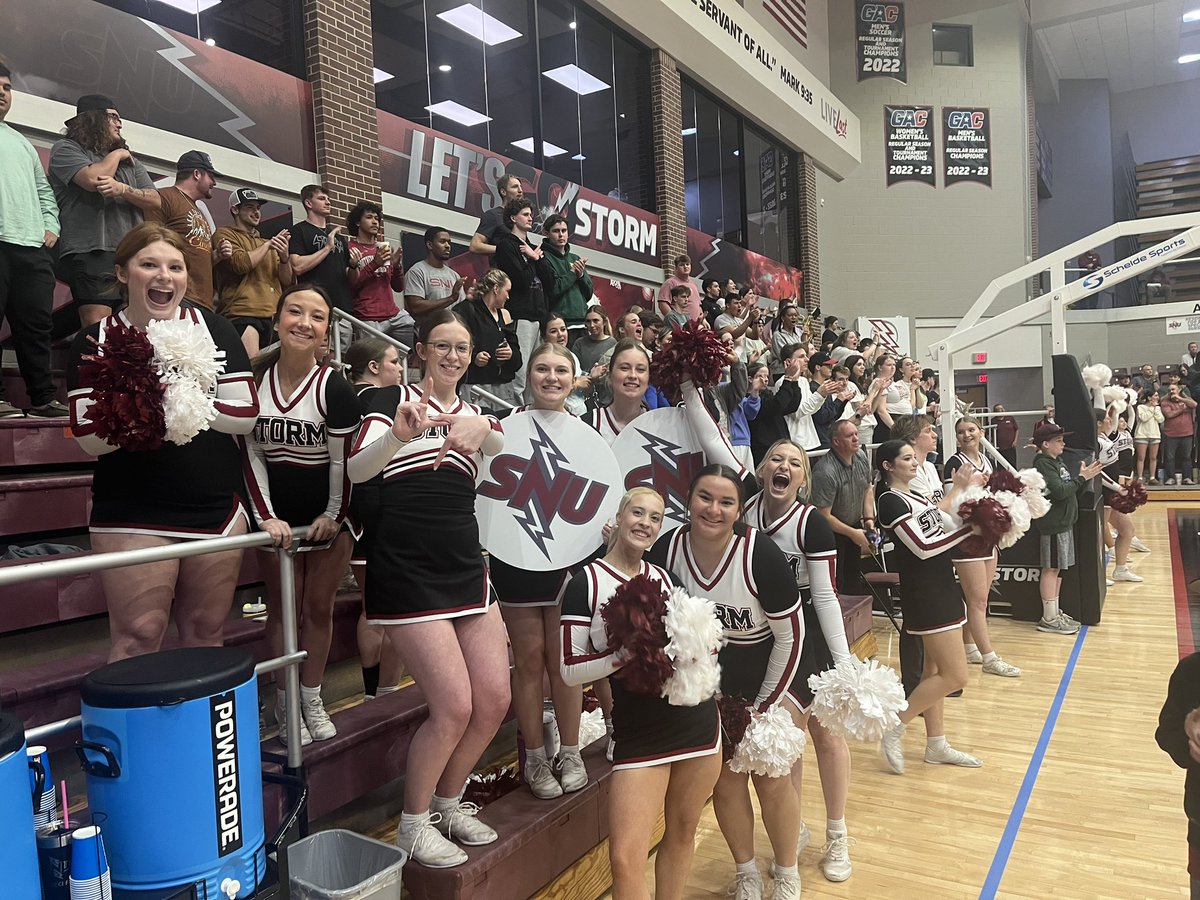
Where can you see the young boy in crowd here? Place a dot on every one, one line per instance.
(1056, 527)
(678, 316)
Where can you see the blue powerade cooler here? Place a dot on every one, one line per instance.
(18, 844)
(171, 750)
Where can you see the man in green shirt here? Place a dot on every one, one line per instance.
(28, 229)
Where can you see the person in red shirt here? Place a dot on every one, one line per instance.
(376, 271)
(1177, 430)
(681, 278)
(1006, 435)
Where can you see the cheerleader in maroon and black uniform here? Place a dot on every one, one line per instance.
(1109, 455)
(426, 577)
(666, 758)
(178, 492)
(296, 471)
(806, 539)
(748, 577)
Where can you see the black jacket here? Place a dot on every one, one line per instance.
(1183, 696)
(487, 335)
(770, 425)
(527, 298)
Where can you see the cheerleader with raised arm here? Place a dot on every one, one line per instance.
(431, 586)
(924, 539)
(666, 758)
(780, 512)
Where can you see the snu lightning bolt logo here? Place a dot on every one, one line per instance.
(670, 472)
(542, 489)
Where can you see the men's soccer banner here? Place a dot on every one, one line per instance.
(879, 40)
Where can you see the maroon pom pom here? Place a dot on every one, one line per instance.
(127, 405)
(1003, 480)
(1133, 496)
(633, 619)
(735, 719)
(990, 516)
(694, 352)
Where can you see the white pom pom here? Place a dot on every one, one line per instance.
(1018, 511)
(856, 699)
(187, 411)
(1097, 376)
(1034, 494)
(1115, 399)
(974, 492)
(694, 635)
(771, 745)
(188, 363)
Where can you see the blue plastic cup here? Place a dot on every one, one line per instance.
(87, 855)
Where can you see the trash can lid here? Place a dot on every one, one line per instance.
(12, 734)
(168, 677)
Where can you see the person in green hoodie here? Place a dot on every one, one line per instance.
(1056, 526)
(571, 289)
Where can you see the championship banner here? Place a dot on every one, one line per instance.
(967, 145)
(908, 144)
(658, 449)
(542, 502)
(879, 40)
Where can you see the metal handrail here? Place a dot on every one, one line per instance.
(336, 345)
(95, 562)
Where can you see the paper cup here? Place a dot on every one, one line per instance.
(88, 861)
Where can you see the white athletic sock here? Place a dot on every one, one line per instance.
(535, 754)
(310, 693)
(747, 868)
(970, 648)
(990, 655)
(409, 821)
(835, 826)
(565, 750)
(383, 691)
(935, 742)
(777, 870)
(1050, 609)
(444, 804)
(1118, 569)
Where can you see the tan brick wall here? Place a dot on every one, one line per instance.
(666, 116)
(810, 262)
(339, 59)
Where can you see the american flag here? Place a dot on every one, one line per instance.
(792, 15)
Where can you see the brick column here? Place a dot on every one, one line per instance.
(810, 263)
(666, 111)
(339, 62)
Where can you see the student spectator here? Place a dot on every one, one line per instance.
(801, 427)
(629, 326)
(378, 272)
(1007, 430)
(830, 335)
(594, 348)
(528, 273)
(711, 301)
(195, 179)
(928, 388)
(681, 278)
(251, 272)
(319, 254)
(1173, 378)
(495, 357)
(842, 491)
(846, 346)
(28, 229)
(570, 289)
(554, 331)
(493, 222)
(681, 298)
(821, 366)
(786, 333)
(102, 193)
(868, 349)
(775, 405)
(1147, 436)
(741, 314)
(1178, 428)
(893, 399)
(652, 326)
(1178, 734)
(1191, 359)
(431, 285)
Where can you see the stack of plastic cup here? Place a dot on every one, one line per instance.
(90, 878)
(45, 810)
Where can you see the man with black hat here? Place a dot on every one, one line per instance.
(102, 193)
(195, 179)
(250, 271)
(28, 228)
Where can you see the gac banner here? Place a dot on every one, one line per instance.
(437, 168)
(967, 145)
(879, 40)
(158, 78)
(908, 144)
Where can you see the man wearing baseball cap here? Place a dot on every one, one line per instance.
(1057, 526)
(102, 192)
(195, 178)
(250, 271)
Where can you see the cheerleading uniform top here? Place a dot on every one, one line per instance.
(647, 730)
(606, 426)
(180, 490)
(1109, 455)
(295, 458)
(985, 468)
(931, 597)
(758, 603)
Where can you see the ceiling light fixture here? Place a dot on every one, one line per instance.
(548, 148)
(190, 6)
(1192, 15)
(444, 68)
(478, 24)
(579, 157)
(573, 25)
(456, 112)
(381, 75)
(573, 77)
(688, 132)
(1189, 58)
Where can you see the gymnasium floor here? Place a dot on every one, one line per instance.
(1075, 799)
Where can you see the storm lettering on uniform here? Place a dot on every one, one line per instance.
(289, 432)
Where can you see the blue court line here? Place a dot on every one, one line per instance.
(1004, 850)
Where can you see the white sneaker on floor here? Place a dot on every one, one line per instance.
(974, 657)
(998, 666)
(1058, 625)
(1108, 582)
(281, 720)
(539, 775)
(572, 774)
(1137, 545)
(948, 756)
(893, 749)
(748, 886)
(835, 858)
(1124, 574)
(425, 844)
(785, 887)
(805, 838)
(460, 824)
(317, 720)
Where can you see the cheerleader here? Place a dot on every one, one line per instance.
(529, 603)
(976, 571)
(806, 539)
(666, 757)
(431, 585)
(1110, 480)
(150, 498)
(933, 605)
(757, 598)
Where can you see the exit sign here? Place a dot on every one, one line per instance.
(979, 359)
(982, 377)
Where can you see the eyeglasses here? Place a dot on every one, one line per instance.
(114, 117)
(444, 349)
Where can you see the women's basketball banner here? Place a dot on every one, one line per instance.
(658, 449)
(879, 40)
(542, 502)
(908, 143)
